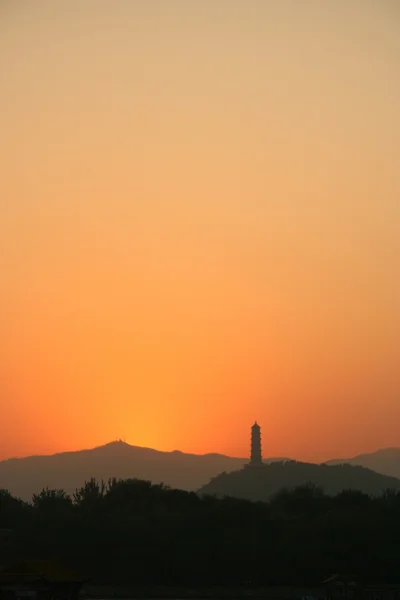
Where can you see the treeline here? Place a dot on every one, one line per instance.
(134, 532)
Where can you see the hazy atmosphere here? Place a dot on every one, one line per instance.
(200, 225)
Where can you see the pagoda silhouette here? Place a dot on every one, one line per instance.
(255, 446)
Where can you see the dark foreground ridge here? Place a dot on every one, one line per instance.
(135, 533)
(259, 483)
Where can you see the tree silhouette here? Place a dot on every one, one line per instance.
(51, 501)
(136, 532)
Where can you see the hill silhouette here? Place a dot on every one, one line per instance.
(259, 484)
(385, 461)
(68, 470)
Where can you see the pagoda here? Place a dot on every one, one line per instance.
(255, 450)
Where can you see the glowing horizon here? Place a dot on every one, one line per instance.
(200, 225)
(205, 453)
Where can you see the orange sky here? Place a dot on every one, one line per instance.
(200, 225)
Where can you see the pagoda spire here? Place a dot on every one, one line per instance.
(255, 448)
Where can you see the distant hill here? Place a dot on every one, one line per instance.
(260, 483)
(385, 461)
(69, 470)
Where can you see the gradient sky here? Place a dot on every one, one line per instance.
(200, 225)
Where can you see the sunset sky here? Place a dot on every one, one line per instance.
(200, 225)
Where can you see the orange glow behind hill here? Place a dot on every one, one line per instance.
(200, 226)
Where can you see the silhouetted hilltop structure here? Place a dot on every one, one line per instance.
(24, 476)
(261, 484)
(255, 448)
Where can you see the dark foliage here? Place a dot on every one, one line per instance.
(135, 532)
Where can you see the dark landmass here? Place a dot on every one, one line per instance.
(385, 461)
(260, 483)
(69, 470)
(217, 592)
(141, 535)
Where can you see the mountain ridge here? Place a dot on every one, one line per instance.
(384, 460)
(68, 470)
